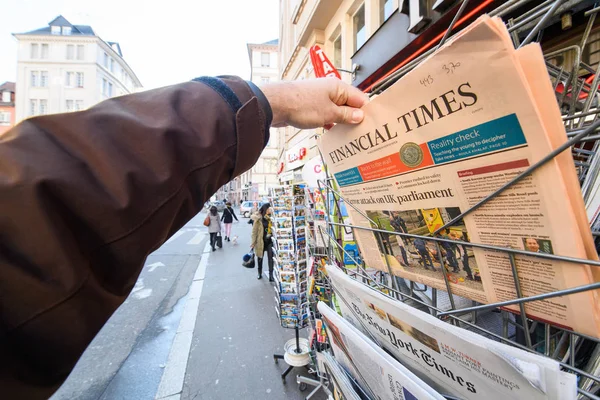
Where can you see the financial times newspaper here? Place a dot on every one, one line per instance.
(451, 132)
(450, 359)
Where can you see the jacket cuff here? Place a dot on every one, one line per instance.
(264, 103)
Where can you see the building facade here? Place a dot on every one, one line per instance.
(7, 106)
(65, 67)
(340, 28)
(264, 68)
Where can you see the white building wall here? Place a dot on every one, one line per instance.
(56, 65)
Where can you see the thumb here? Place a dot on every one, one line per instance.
(348, 115)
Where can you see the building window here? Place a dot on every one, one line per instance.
(44, 79)
(34, 79)
(43, 107)
(265, 59)
(66, 30)
(385, 10)
(70, 106)
(264, 79)
(4, 118)
(6, 97)
(78, 105)
(70, 52)
(45, 51)
(32, 107)
(35, 50)
(80, 52)
(79, 79)
(360, 31)
(337, 52)
(110, 89)
(69, 79)
(112, 65)
(55, 30)
(105, 60)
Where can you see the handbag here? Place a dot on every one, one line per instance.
(248, 260)
(219, 240)
(207, 221)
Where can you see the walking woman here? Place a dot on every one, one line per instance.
(261, 238)
(215, 226)
(227, 218)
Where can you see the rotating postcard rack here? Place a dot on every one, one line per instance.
(579, 99)
(290, 272)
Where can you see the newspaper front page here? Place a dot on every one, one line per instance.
(452, 360)
(438, 141)
(379, 375)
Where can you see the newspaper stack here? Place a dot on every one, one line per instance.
(452, 360)
(342, 385)
(378, 374)
(462, 124)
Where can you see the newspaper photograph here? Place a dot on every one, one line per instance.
(379, 375)
(418, 162)
(450, 359)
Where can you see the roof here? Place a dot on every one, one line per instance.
(7, 87)
(77, 30)
(274, 42)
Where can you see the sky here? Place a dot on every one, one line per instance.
(164, 42)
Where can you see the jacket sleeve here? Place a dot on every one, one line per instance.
(86, 196)
(233, 214)
(254, 234)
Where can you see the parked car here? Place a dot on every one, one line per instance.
(246, 208)
(219, 204)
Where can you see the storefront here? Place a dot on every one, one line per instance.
(295, 158)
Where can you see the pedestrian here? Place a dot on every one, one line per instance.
(215, 226)
(450, 250)
(227, 218)
(86, 196)
(262, 242)
(424, 253)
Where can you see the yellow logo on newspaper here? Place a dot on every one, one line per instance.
(433, 218)
(411, 154)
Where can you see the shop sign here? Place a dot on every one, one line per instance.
(313, 171)
(286, 176)
(295, 157)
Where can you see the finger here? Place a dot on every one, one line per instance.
(355, 97)
(348, 115)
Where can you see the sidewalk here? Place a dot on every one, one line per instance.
(237, 332)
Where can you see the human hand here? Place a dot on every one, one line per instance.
(251, 247)
(314, 103)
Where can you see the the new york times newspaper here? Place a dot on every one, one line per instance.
(435, 143)
(452, 360)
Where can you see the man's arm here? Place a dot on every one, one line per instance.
(85, 197)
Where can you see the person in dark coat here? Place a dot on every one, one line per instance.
(227, 218)
(424, 253)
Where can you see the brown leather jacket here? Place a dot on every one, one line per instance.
(85, 197)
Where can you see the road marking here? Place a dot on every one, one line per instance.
(171, 383)
(175, 236)
(197, 238)
(153, 266)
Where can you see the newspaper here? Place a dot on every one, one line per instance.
(450, 359)
(342, 386)
(379, 375)
(442, 138)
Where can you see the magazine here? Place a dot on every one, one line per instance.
(378, 374)
(418, 162)
(453, 360)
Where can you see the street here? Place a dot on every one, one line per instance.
(197, 325)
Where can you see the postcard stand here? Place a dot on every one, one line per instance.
(582, 122)
(289, 246)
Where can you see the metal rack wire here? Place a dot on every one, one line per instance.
(576, 86)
